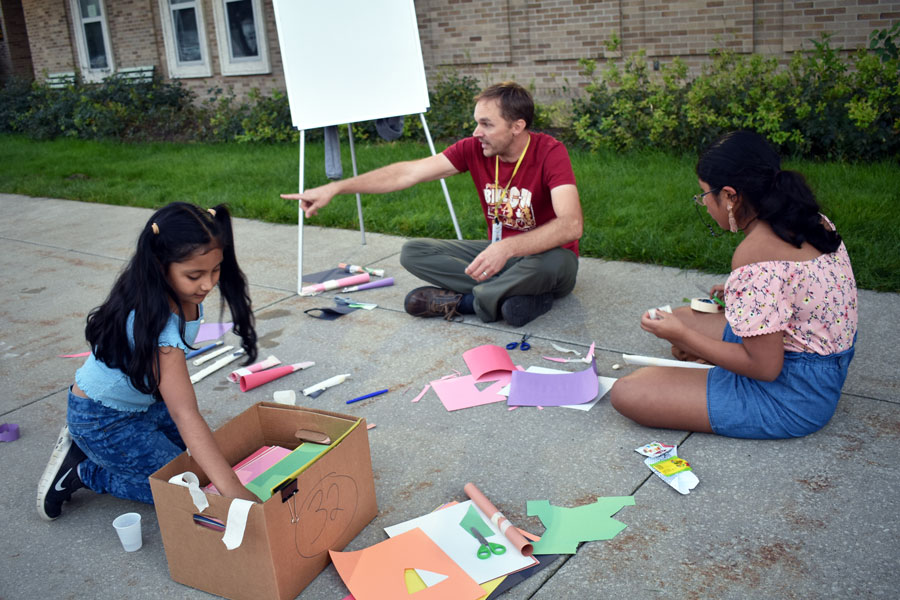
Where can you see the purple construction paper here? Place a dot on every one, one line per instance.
(212, 331)
(540, 389)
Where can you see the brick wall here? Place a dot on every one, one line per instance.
(536, 42)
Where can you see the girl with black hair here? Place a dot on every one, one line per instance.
(132, 408)
(783, 344)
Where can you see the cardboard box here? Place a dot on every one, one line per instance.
(287, 538)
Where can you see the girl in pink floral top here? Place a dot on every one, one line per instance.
(782, 347)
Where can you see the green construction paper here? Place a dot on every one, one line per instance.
(567, 527)
(287, 467)
(473, 519)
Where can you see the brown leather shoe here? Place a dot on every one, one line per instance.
(430, 301)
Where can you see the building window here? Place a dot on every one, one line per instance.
(92, 39)
(184, 34)
(241, 35)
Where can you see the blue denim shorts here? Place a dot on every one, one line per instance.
(800, 401)
(123, 448)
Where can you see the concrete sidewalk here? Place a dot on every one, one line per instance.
(807, 518)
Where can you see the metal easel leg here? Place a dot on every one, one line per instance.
(300, 214)
(443, 183)
(362, 228)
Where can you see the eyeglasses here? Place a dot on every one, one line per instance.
(698, 198)
(698, 202)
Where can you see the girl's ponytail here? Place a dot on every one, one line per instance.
(791, 210)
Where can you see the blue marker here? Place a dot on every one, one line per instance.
(194, 353)
(378, 393)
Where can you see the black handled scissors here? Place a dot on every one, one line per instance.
(522, 344)
(486, 549)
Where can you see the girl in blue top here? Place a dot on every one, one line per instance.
(132, 408)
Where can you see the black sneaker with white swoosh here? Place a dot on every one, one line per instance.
(60, 477)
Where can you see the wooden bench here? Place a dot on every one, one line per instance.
(60, 80)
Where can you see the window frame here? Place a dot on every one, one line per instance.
(231, 67)
(201, 68)
(88, 73)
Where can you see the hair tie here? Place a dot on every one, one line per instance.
(211, 211)
(155, 228)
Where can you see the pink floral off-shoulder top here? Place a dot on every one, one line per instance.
(813, 302)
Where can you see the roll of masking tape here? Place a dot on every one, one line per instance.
(705, 305)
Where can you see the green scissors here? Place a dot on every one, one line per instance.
(487, 548)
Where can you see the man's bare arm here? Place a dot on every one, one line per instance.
(391, 178)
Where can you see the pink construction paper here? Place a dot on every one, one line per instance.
(487, 359)
(79, 355)
(540, 389)
(461, 392)
(212, 331)
(254, 465)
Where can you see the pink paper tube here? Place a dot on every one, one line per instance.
(235, 376)
(248, 382)
(497, 518)
(334, 284)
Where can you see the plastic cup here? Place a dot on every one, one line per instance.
(128, 526)
(285, 397)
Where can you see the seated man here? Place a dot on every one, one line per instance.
(527, 191)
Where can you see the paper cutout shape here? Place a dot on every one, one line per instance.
(378, 571)
(473, 519)
(489, 358)
(212, 331)
(462, 392)
(442, 526)
(538, 389)
(566, 527)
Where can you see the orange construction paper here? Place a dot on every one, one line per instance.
(379, 571)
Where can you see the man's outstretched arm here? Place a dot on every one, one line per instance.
(394, 177)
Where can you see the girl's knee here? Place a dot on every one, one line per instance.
(622, 396)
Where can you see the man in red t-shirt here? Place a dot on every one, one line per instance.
(531, 207)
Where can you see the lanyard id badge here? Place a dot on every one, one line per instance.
(500, 196)
(496, 230)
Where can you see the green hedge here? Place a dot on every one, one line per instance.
(819, 105)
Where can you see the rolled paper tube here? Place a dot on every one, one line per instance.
(359, 269)
(372, 284)
(650, 361)
(235, 376)
(213, 355)
(200, 375)
(705, 305)
(500, 521)
(334, 284)
(248, 382)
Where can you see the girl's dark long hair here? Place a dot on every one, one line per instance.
(745, 161)
(142, 287)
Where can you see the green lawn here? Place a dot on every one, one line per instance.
(637, 207)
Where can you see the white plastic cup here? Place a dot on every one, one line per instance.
(285, 397)
(128, 526)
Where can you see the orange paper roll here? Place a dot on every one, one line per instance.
(497, 518)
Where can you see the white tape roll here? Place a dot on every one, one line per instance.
(705, 305)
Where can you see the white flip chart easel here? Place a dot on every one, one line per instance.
(347, 61)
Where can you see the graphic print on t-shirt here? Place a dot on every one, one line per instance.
(514, 208)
